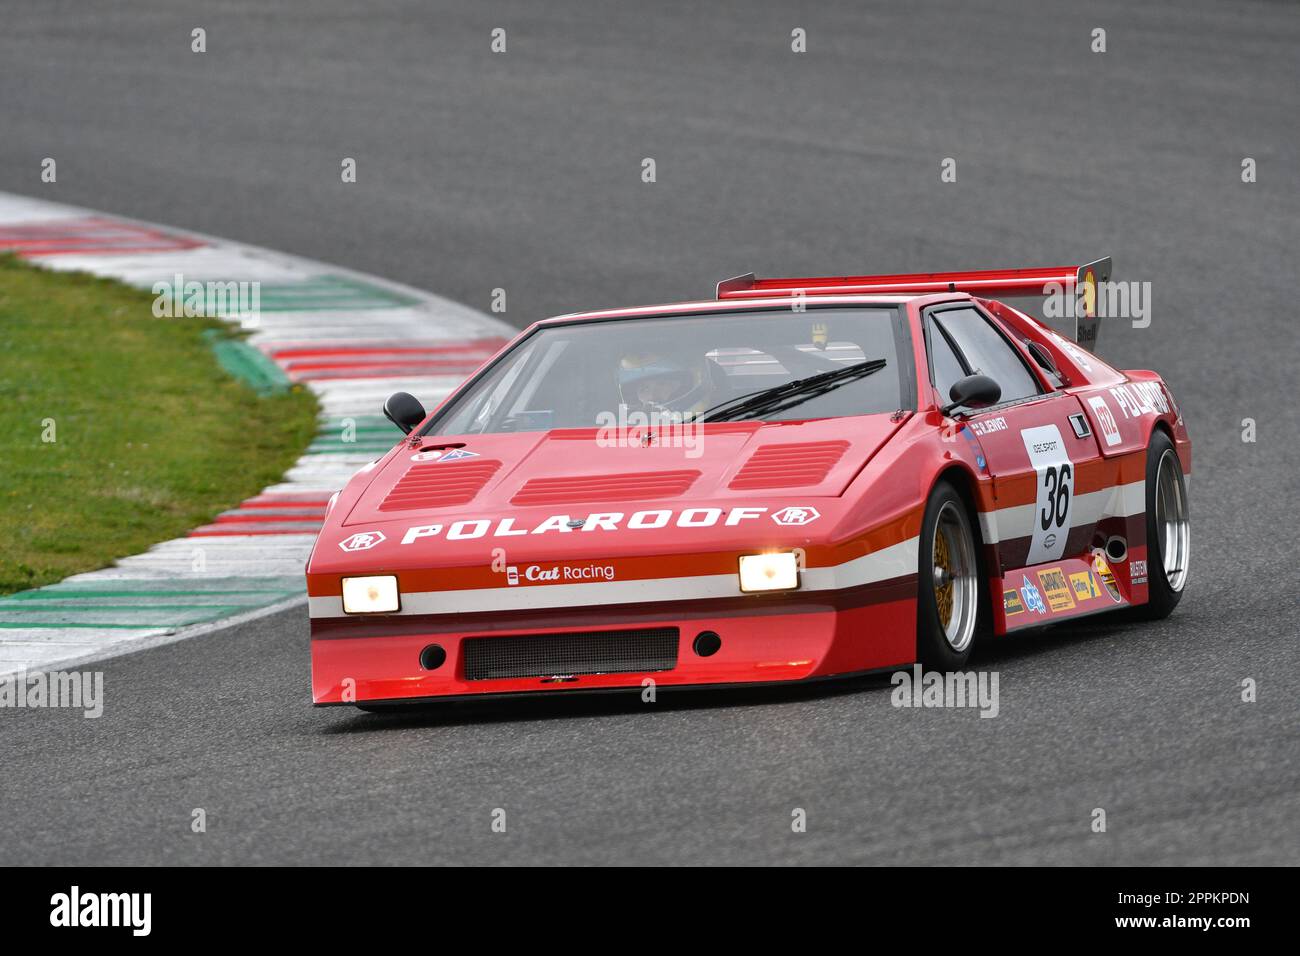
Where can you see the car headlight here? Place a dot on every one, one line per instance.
(372, 595)
(773, 571)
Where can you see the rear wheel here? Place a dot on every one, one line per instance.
(1169, 534)
(948, 586)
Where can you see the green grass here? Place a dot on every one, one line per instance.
(152, 437)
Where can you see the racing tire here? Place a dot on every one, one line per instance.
(1168, 529)
(951, 599)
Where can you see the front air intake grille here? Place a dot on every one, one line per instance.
(578, 652)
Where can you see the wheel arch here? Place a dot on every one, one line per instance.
(1160, 425)
(1182, 444)
(964, 480)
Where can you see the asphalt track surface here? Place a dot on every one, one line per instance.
(522, 171)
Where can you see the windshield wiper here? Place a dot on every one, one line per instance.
(780, 397)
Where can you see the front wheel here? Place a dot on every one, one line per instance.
(948, 587)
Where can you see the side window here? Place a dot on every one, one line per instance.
(945, 366)
(988, 353)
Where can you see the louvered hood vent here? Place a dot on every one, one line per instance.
(640, 485)
(796, 465)
(438, 484)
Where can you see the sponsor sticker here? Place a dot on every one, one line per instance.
(1105, 420)
(974, 442)
(1136, 399)
(649, 520)
(796, 516)
(1011, 603)
(1137, 571)
(1084, 586)
(362, 541)
(989, 425)
(1056, 589)
(456, 454)
(559, 573)
(1107, 576)
(1033, 600)
(1077, 354)
(440, 455)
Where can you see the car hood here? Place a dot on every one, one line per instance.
(584, 470)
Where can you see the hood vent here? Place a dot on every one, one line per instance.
(638, 486)
(438, 484)
(796, 465)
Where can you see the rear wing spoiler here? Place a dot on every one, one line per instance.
(1079, 281)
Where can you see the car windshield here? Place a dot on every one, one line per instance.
(587, 374)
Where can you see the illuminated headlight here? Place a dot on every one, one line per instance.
(775, 571)
(373, 595)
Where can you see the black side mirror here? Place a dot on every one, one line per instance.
(973, 391)
(404, 410)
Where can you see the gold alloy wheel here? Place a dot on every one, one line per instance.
(943, 573)
(955, 577)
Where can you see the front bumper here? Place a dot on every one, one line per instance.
(762, 641)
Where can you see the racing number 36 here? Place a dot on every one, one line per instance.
(1056, 482)
(1048, 455)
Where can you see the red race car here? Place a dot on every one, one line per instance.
(803, 478)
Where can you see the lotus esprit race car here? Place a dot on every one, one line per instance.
(803, 478)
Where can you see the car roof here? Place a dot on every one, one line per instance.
(744, 305)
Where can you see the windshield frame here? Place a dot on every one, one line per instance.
(899, 323)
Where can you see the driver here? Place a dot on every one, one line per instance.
(653, 382)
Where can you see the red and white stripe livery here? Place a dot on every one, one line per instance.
(627, 557)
